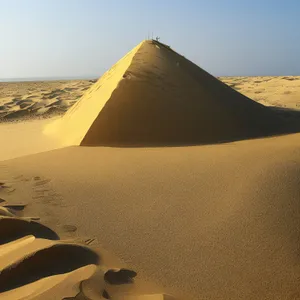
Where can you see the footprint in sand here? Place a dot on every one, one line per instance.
(69, 228)
(42, 182)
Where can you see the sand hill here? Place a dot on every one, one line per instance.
(204, 222)
(155, 96)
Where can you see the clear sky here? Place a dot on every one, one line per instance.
(78, 38)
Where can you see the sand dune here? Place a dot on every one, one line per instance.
(206, 222)
(35, 264)
(154, 96)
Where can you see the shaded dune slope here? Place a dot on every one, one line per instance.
(57, 259)
(41, 268)
(13, 228)
(33, 265)
(208, 222)
(154, 96)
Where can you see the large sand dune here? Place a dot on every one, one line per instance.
(154, 96)
(207, 222)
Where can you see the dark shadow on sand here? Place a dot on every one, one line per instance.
(289, 120)
(13, 228)
(58, 259)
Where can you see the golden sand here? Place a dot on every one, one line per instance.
(154, 96)
(217, 221)
(202, 221)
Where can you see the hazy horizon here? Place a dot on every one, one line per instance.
(83, 39)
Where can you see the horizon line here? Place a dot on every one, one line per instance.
(92, 77)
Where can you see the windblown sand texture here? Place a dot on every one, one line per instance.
(154, 96)
(274, 91)
(36, 264)
(27, 100)
(281, 93)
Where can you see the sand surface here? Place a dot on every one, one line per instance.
(23, 138)
(278, 91)
(154, 96)
(206, 222)
(41, 99)
(217, 221)
(274, 91)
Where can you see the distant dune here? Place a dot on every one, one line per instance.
(41, 99)
(279, 92)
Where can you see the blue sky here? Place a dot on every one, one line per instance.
(79, 38)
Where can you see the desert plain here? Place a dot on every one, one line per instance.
(28, 100)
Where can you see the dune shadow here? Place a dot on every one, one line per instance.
(290, 124)
(13, 228)
(290, 116)
(58, 259)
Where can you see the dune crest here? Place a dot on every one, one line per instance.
(72, 133)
